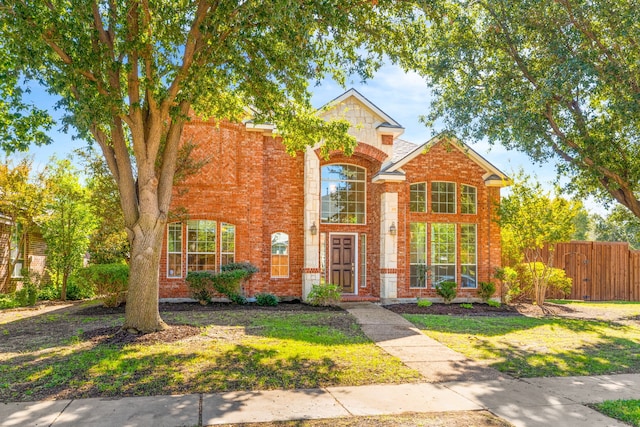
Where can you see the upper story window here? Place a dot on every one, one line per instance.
(418, 197)
(443, 197)
(201, 245)
(343, 194)
(468, 199)
(279, 255)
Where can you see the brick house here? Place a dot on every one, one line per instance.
(387, 223)
(31, 254)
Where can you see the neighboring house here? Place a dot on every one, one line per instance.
(387, 223)
(19, 251)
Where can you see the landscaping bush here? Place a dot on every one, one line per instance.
(424, 302)
(326, 294)
(201, 285)
(266, 299)
(486, 290)
(466, 305)
(493, 303)
(227, 282)
(8, 301)
(520, 280)
(447, 290)
(110, 281)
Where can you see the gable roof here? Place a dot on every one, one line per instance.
(387, 121)
(405, 151)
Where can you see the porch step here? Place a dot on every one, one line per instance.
(358, 298)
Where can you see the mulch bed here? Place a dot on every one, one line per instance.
(287, 306)
(454, 309)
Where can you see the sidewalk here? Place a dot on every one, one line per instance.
(454, 384)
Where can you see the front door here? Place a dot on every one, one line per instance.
(343, 259)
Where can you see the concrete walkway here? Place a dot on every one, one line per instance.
(454, 384)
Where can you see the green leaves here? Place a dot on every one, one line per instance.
(555, 79)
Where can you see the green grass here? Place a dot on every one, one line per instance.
(538, 347)
(241, 350)
(627, 411)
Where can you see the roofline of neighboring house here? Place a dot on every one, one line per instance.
(493, 178)
(387, 122)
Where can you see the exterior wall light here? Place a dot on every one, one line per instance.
(393, 230)
(313, 229)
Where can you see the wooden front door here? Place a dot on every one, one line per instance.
(343, 259)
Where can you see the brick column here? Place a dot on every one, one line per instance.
(388, 246)
(311, 270)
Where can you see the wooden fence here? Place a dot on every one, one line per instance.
(601, 271)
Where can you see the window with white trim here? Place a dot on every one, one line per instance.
(343, 197)
(174, 249)
(468, 199)
(443, 197)
(201, 245)
(17, 252)
(279, 255)
(468, 256)
(443, 252)
(418, 197)
(227, 243)
(417, 255)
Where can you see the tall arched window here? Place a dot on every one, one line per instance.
(279, 255)
(343, 194)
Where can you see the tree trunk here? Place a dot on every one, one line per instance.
(141, 312)
(63, 288)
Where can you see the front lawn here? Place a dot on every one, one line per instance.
(623, 410)
(77, 352)
(538, 347)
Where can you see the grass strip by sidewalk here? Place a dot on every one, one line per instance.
(627, 411)
(227, 351)
(538, 347)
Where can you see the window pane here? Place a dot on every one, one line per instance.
(343, 194)
(174, 249)
(418, 197)
(201, 245)
(468, 255)
(363, 261)
(279, 255)
(443, 252)
(443, 197)
(227, 243)
(417, 255)
(468, 200)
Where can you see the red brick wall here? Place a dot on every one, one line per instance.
(250, 181)
(446, 163)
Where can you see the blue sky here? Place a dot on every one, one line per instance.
(403, 96)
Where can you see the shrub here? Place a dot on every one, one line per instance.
(493, 303)
(486, 290)
(509, 278)
(200, 285)
(246, 266)
(228, 284)
(266, 299)
(8, 301)
(79, 288)
(424, 302)
(447, 290)
(110, 281)
(466, 305)
(520, 281)
(326, 294)
(48, 292)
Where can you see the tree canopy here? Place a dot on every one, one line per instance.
(557, 79)
(128, 73)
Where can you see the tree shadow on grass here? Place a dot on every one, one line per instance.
(113, 371)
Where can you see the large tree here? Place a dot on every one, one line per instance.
(557, 79)
(130, 72)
